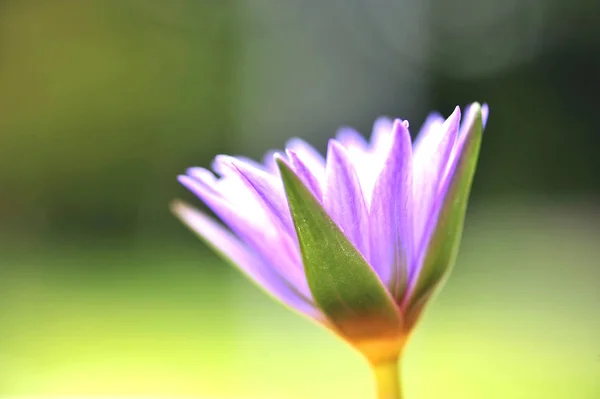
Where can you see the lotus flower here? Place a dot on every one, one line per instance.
(357, 240)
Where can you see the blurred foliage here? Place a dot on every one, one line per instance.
(104, 102)
(101, 101)
(517, 319)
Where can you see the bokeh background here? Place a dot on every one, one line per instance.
(103, 103)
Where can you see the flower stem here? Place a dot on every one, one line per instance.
(387, 378)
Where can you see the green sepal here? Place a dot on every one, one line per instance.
(343, 284)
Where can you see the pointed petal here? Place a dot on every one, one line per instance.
(433, 121)
(485, 113)
(343, 284)
(269, 190)
(438, 253)
(343, 199)
(470, 111)
(269, 162)
(383, 133)
(239, 255)
(314, 183)
(370, 162)
(309, 156)
(430, 161)
(242, 212)
(390, 214)
(352, 140)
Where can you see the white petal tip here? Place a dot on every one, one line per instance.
(180, 209)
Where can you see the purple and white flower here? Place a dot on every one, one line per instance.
(401, 205)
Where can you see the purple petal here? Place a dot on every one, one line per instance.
(370, 160)
(468, 120)
(236, 252)
(445, 182)
(241, 210)
(390, 216)
(343, 199)
(352, 140)
(314, 183)
(249, 161)
(269, 162)
(432, 123)
(202, 175)
(383, 134)
(269, 189)
(469, 114)
(430, 161)
(485, 113)
(310, 157)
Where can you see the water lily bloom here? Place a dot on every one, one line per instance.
(357, 240)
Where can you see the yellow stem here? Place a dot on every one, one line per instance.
(387, 378)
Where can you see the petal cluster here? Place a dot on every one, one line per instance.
(387, 196)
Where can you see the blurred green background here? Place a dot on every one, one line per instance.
(103, 103)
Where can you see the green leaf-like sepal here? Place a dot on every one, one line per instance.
(343, 284)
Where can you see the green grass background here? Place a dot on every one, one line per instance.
(519, 318)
